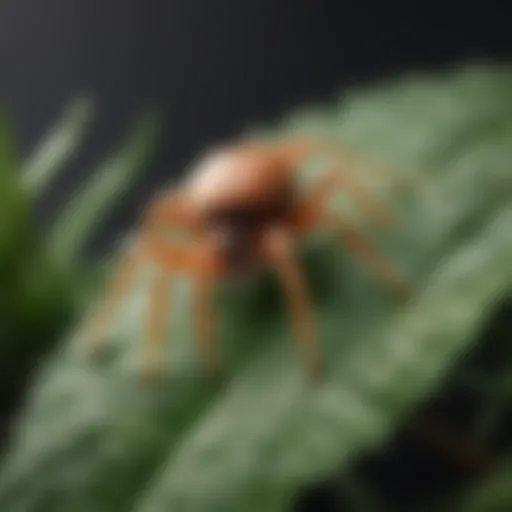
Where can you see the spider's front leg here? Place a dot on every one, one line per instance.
(199, 263)
(164, 212)
(168, 260)
(205, 277)
(279, 249)
(97, 324)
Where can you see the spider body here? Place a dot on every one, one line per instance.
(243, 209)
(238, 193)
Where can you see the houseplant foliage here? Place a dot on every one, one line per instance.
(93, 439)
(40, 276)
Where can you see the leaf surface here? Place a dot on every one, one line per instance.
(92, 439)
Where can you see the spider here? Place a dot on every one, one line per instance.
(242, 208)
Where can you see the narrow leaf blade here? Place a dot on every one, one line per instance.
(58, 147)
(107, 185)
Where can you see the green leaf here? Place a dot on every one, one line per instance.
(58, 147)
(92, 439)
(494, 494)
(107, 186)
(38, 293)
(8, 149)
(32, 298)
(13, 204)
(16, 235)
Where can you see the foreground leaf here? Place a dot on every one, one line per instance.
(377, 379)
(92, 439)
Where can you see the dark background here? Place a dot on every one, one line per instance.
(213, 66)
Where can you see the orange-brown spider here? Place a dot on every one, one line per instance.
(241, 208)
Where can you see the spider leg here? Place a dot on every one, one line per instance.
(205, 280)
(369, 254)
(279, 250)
(343, 181)
(298, 147)
(312, 211)
(201, 263)
(95, 331)
(166, 211)
(170, 259)
(312, 208)
(158, 306)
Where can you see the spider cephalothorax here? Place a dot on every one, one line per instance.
(242, 208)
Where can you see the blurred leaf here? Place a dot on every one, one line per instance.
(38, 294)
(16, 237)
(8, 150)
(91, 439)
(24, 322)
(57, 147)
(107, 185)
(13, 204)
(34, 301)
(494, 494)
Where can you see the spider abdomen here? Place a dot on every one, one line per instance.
(235, 180)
